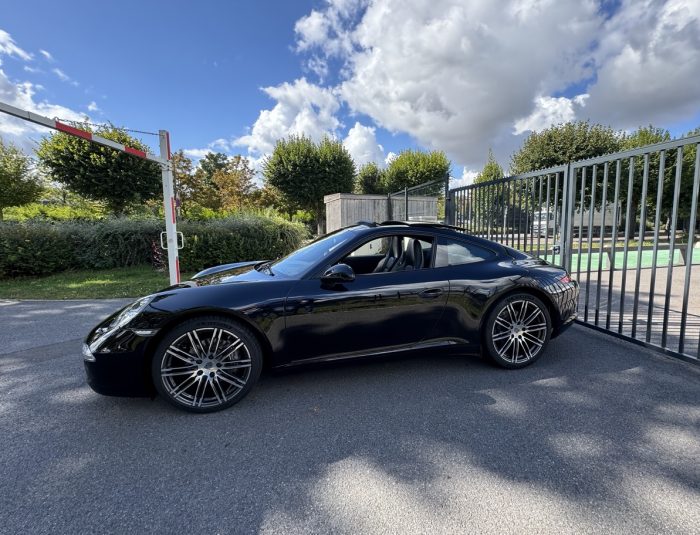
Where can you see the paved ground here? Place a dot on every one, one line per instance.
(598, 436)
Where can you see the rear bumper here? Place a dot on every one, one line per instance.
(118, 374)
(564, 325)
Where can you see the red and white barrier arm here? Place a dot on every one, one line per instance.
(62, 127)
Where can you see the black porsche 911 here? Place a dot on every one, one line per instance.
(364, 290)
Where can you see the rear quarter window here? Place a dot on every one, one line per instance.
(457, 253)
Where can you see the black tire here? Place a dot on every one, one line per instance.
(522, 343)
(206, 364)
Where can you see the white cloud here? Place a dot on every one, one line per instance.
(196, 154)
(361, 143)
(550, 111)
(649, 64)
(390, 157)
(46, 54)
(462, 75)
(32, 70)
(300, 108)
(467, 178)
(63, 76)
(23, 95)
(10, 48)
(93, 106)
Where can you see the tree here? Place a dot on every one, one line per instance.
(564, 143)
(17, 185)
(182, 177)
(234, 183)
(304, 172)
(491, 170)
(414, 167)
(369, 179)
(205, 192)
(100, 173)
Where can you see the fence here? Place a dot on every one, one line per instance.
(624, 225)
(425, 202)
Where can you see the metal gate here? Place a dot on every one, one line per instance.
(623, 224)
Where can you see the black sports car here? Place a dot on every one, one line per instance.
(364, 290)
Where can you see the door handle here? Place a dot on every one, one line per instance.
(431, 294)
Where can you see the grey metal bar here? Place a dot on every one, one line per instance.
(640, 237)
(657, 226)
(601, 243)
(672, 244)
(566, 222)
(628, 218)
(616, 216)
(539, 214)
(520, 210)
(405, 193)
(689, 249)
(589, 242)
(531, 202)
(580, 228)
(666, 145)
(555, 227)
(507, 211)
(501, 204)
(546, 232)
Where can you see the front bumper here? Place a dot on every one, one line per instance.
(118, 374)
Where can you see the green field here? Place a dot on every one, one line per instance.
(92, 284)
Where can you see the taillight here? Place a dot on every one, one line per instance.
(566, 279)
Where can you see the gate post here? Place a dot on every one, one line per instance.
(449, 202)
(169, 208)
(566, 216)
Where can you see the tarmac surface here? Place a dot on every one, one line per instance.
(598, 436)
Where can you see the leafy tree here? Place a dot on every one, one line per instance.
(205, 192)
(234, 183)
(491, 171)
(100, 173)
(414, 167)
(17, 185)
(182, 177)
(369, 179)
(564, 143)
(304, 172)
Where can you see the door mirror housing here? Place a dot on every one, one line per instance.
(338, 274)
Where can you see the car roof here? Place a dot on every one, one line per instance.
(435, 228)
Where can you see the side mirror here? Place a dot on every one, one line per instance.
(338, 274)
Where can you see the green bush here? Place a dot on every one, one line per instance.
(45, 247)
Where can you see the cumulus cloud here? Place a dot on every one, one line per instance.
(467, 178)
(465, 75)
(23, 95)
(93, 106)
(649, 59)
(549, 111)
(10, 48)
(63, 76)
(300, 108)
(361, 143)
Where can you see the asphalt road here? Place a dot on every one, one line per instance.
(599, 436)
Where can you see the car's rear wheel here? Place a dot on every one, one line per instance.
(517, 331)
(206, 364)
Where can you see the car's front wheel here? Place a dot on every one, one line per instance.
(517, 331)
(206, 364)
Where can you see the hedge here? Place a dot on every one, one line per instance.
(42, 248)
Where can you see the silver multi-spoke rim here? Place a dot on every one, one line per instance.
(519, 332)
(205, 367)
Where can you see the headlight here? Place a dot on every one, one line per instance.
(130, 312)
(122, 320)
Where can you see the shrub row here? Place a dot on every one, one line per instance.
(42, 248)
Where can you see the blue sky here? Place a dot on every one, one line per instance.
(461, 76)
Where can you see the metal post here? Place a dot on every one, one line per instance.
(405, 194)
(169, 208)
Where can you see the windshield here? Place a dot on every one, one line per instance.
(301, 260)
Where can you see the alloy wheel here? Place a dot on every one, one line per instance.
(519, 332)
(205, 367)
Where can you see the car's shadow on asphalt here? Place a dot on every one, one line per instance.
(592, 426)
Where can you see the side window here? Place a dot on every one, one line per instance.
(376, 247)
(398, 252)
(455, 253)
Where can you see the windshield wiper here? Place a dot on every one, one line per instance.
(265, 266)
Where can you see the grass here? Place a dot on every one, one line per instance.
(93, 284)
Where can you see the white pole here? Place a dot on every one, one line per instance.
(169, 208)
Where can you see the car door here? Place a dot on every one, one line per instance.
(375, 312)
